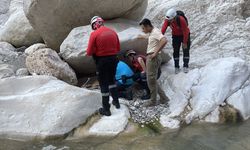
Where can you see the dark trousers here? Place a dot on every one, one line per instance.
(177, 41)
(142, 81)
(125, 91)
(106, 70)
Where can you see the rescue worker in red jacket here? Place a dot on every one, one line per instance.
(104, 46)
(180, 36)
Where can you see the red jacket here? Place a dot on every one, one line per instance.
(136, 65)
(103, 42)
(176, 29)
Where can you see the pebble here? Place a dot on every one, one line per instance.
(146, 115)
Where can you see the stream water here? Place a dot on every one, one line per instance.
(193, 137)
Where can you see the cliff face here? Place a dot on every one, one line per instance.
(218, 28)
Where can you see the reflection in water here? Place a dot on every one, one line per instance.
(193, 137)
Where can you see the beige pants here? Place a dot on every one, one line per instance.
(152, 71)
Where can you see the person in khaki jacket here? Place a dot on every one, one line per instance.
(156, 42)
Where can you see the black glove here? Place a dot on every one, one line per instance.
(124, 79)
(136, 76)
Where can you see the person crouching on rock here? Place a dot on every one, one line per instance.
(139, 66)
(180, 35)
(156, 42)
(104, 46)
(124, 77)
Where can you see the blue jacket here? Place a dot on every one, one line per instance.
(124, 69)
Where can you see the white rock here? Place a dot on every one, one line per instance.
(112, 125)
(219, 80)
(6, 71)
(213, 117)
(240, 101)
(204, 90)
(50, 147)
(47, 62)
(4, 11)
(218, 28)
(22, 72)
(17, 30)
(169, 122)
(42, 106)
(8, 55)
(55, 19)
(178, 88)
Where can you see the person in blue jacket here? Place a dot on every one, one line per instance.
(124, 78)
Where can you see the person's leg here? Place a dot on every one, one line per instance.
(176, 46)
(186, 55)
(142, 81)
(102, 77)
(163, 97)
(111, 77)
(152, 71)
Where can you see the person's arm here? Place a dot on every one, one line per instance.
(159, 48)
(185, 31)
(91, 45)
(164, 27)
(142, 63)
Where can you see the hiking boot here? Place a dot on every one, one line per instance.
(177, 70)
(146, 97)
(129, 96)
(185, 70)
(104, 112)
(116, 104)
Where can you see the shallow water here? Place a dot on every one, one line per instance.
(193, 137)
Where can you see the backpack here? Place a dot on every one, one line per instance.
(180, 13)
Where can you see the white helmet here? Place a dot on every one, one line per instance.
(96, 20)
(171, 13)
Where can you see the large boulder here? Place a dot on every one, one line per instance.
(46, 61)
(73, 49)
(199, 94)
(4, 14)
(17, 30)
(42, 106)
(240, 100)
(9, 55)
(55, 19)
